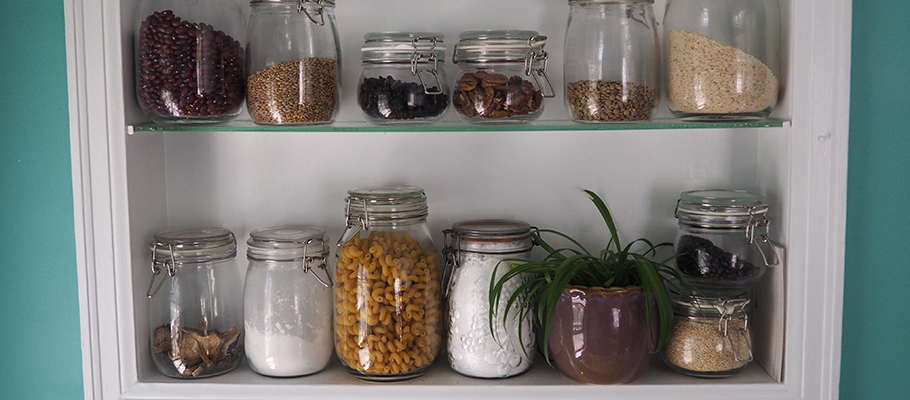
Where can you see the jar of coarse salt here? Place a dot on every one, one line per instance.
(476, 252)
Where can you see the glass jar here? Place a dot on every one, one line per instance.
(723, 58)
(403, 79)
(711, 337)
(189, 60)
(612, 61)
(195, 307)
(388, 321)
(720, 251)
(293, 62)
(476, 252)
(287, 302)
(493, 70)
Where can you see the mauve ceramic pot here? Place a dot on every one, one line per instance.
(601, 335)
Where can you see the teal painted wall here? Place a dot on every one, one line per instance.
(876, 340)
(40, 355)
(39, 317)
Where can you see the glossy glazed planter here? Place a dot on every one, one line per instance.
(601, 335)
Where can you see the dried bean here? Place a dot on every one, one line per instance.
(187, 69)
(294, 92)
(387, 98)
(611, 101)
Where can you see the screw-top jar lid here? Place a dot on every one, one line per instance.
(498, 236)
(386, 203)
(396, 47)
(719, 208)
(497, 46)
(194, 246)
(287, 243)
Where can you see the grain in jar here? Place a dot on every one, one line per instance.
(711, 337)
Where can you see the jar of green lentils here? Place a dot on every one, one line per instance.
(711, 337)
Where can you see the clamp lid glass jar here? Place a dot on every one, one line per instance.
(190, 61)
(293, 62)
(723, 58)
(475, 251)
(612, 61)
(388, 315)
(719, 249)
(403, 78)
(196, 320)
(287, 301)
(711, 337)
(493, 67)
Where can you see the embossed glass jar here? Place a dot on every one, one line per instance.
(474, 251)
(723, 240)
(723, 58)
(287, 301)
(501, 76)
(294, 62)
(195, 303)
(612, 61)
(403, 78)
(711, 337)
(388, 312)
(190, 60)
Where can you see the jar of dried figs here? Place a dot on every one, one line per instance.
(195, 303)
(711, 337)
(403, 80)
(476, 253)
(388, 322)
(190, 61)
(501, 76)
(287, 302)
(723, 240)
(293, 62)
(612, 61)
(723, 58)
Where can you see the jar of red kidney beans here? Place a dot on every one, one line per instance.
(190, 61)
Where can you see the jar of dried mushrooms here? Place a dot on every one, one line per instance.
(195, 303)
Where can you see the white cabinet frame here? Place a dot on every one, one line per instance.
(813, 189)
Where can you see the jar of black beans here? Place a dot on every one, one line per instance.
(723, 244)
(190, 60)
(402, 80)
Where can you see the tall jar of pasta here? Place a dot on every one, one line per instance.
(388, 321)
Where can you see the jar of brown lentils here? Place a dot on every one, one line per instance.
(501, 76)
(711, 337)
(293, 62)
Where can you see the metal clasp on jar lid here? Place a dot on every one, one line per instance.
(730, 309)
(319, 10)
(486, 236)
(431, 56)
(538, 55)
(776, 250)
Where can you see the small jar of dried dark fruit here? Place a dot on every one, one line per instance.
(403, 79)
(723, 240)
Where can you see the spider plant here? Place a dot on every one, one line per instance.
(616, 265)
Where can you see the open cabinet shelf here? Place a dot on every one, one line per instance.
(133, 179)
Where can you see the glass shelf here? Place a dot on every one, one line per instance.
(454, 126)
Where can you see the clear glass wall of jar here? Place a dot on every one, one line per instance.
(501, 76)
(612, 61)
(711, 337)
(293, 62)
(403, 78)
(723, 58)
(723, 240)
(287, 302)
(474, 252)
(190, 60)
(195, 303)
(388, 315)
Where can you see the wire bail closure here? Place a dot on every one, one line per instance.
(776, 250)
(324, 266)
(533, 56)
(431, 56)
(171, 270)
(364, 220)
(319, 10)
(728, 311)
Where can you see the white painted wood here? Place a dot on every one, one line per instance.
(128, 186)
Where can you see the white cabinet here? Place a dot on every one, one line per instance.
(132, 180)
